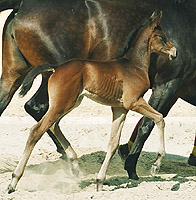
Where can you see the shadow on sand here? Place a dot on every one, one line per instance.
(173, 165)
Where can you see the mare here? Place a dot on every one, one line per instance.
(119, 83)
(53, 31)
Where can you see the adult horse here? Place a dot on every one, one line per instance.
(57, 30)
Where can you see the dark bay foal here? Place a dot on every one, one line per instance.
(119, 83)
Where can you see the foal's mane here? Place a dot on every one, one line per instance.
(132, 37)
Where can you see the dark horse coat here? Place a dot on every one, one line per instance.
(57, 30)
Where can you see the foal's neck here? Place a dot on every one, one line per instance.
(139, 54)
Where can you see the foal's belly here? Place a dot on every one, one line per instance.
(114, 101)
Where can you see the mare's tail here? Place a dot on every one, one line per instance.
(28, 81)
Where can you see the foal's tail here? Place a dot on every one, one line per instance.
(28, 81)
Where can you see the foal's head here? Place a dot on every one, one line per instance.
(148, 37)
(159, 42)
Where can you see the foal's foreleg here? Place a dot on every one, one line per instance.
(119, 115)
(142, 107)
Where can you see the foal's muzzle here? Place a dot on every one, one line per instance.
(172, 53)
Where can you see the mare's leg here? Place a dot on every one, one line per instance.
(161, 98)
(14, 67)
(187, 93)
(124, 149)
(119, 115)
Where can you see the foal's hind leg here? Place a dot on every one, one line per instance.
(59, 106)
(142, 107)
(119, 115)
(71, 154)
(35, 134)
(37, 106)
(14, 69)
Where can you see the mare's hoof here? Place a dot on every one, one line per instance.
(10, 189)
(192, 160)
(63, 154)
(133, 175)
(63, 157)
(123, 151)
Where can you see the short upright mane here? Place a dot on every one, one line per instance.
(131, 39)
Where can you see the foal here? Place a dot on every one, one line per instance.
(120, 83)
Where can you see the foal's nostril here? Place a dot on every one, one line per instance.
(173, 57)
(173, 54)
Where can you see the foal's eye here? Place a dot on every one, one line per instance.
(162, 38)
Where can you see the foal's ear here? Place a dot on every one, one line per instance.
(155, 19)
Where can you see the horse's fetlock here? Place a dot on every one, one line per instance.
(71, 154)
(99, 184)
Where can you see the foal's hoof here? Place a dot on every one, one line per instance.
(75, 172)
(192, 160)
(123, 151)
(10, 189)
(154, 170)
(99, 185)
